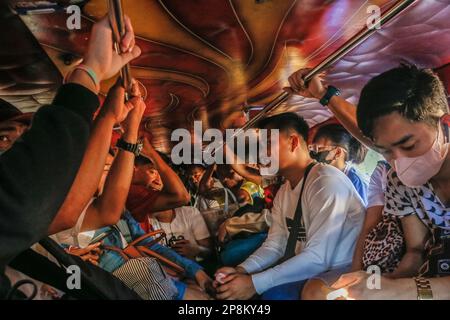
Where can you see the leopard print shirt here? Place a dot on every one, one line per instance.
(403, 201)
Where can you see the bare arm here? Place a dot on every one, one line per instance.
(108, 207)
(91, 169)
(105, 62)
(174, 193)
(204, 188)
(372, 218)
(416, 235)
(244, 171)
(343, 110)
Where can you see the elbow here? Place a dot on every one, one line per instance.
(61, 224)
(184, 197)
(112, 218)
(68, 222)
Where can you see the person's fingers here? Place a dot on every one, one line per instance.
(345, 280)
(224, 296)
(89, 256)
(127, 41)
(131, 104)
(288, 90)
(135, 90)
(116, 92)
(225, 271)
(303, 72)
(181, 244)
(94, 262)
(96, 251)
(223, 288)
(94, 246)
(293, 82)
(229, 278)
(128, 56)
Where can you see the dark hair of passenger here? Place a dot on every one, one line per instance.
(286, 121)
(340, 137)
(141, 161)
(416, 94)
(193, 166)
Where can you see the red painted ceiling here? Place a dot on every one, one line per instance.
(208, 59)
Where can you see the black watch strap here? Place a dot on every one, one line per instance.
(331, 91)
(134, 148)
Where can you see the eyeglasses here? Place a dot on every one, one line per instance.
(320, 148)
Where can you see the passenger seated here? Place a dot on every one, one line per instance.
(205, 196)
(155, 187)
(186, 231)
(128, 230)
(334, 145)
(321, 241)
(240, 235)
(403, 114)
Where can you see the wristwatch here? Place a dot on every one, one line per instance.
(424, 291)
(331, 91)
(134, 148)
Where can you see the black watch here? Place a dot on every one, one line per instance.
(331, 91)
(134, 148)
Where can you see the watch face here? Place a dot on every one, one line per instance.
(139, 149)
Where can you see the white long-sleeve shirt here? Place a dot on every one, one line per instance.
(333, 216)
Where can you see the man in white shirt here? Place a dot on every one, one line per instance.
(332, 216)
(186, 231)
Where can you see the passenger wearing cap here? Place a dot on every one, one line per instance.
(13, 123)
(250, 192)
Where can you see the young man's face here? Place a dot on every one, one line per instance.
(229, 178)
(150, 176)
(10, 131)
(397, 137)
(325, 147)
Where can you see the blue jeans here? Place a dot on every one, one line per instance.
(181, 287)
(236, 251)
(287, 291)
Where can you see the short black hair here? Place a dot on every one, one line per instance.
(141, 161)
(356, 152)
(286, 121)
(416, 94)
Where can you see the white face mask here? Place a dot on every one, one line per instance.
(414, 172)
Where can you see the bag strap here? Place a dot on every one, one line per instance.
(145, 251)
(159, 233)
(297, 221)
(130, 252)
(118, 250)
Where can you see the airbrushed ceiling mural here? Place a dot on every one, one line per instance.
(210, 59)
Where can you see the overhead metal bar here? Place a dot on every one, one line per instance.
(117, 21)
(352, 43)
